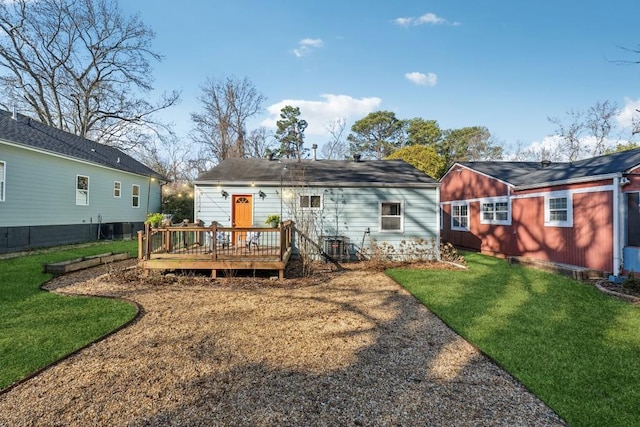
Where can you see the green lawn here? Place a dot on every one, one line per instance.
(39, 327)
(574, 347)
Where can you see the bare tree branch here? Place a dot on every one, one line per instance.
(227, 105)
(81, 66)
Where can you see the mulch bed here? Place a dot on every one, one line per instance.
(341, 348)
(620, 290)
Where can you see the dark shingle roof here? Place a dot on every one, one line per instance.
(318, 172)
(511, 172)
(31, 133)
(532, 173)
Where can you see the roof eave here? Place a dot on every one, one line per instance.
(570, 181)
(79, 159)
(479, 173)
(319, 184)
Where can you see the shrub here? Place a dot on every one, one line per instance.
(415, 250)
(154, 219)
(631, 282)
(272, 218)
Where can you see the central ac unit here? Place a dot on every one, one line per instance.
(336, 246)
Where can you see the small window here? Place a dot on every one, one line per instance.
(310, 202)
(460, 216)
(116, 189)
(3, 167)
(82, 190)
(135, 196)
(495, 212)
(558, 210)
(391, 216)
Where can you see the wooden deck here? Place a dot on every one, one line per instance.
(193, 247)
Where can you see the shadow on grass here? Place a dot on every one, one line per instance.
(571, 345)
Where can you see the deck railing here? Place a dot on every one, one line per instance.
(192, 241)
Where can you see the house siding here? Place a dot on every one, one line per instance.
(588, 242)
(40, 190)
(40, 207)
(346, 211)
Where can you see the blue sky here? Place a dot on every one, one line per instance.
(506, 65)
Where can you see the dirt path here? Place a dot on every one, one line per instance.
(354, 350)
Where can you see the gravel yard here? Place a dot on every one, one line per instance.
(350, 348)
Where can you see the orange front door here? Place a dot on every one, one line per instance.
(241, 214)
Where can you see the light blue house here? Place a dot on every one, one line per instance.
(58, 188)
(347, 207)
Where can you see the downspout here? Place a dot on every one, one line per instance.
(438, 219)
(617, 257)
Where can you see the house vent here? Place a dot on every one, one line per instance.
(337, 247)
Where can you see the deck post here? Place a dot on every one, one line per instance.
(281, 243)
(214, 244)
(166, 238)
(147, 242)
(140, 243)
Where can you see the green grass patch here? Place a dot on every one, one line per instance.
(577, 349)
(38, 327)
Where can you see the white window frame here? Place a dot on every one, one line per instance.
(401, 216)
(548, 222)
(135, 197)
(310, 208)
(453, 216)
(3, 180)
(493, 212)
(117, 189)
(82, 193)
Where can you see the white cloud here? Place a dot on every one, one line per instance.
(430, 18)
(319, 113)
(427, 18)
(422, 79)
(628, 113)
(404, 22)
(312, 42)
(305, 46)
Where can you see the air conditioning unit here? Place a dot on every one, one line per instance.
(337, 247)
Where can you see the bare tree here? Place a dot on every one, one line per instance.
(226, 106)
(337, 147)
(168, 156)
(571, 132)
(600, 120)
(259, 142)
(200, 163)
(80, 66)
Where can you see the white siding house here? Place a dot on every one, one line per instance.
(348, 207)
(58, 188)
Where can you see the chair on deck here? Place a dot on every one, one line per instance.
(222, 240)
(252, 239)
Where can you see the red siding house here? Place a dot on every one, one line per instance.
(584, 213)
